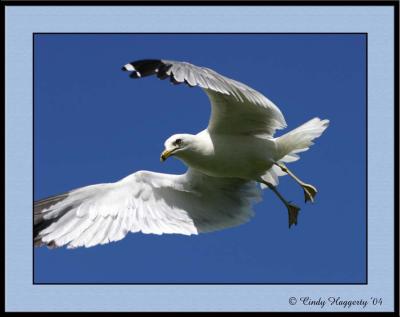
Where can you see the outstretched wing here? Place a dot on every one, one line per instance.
(236, 108)
(144, 201)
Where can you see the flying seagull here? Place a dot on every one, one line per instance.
(228, 164)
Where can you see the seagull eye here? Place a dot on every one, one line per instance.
(178, 142)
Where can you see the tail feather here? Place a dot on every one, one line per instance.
(293, 142)
(300, 139)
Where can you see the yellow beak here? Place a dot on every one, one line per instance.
(166, 154)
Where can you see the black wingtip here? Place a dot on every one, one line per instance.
(145, 67)
(40, 210)
(134, 75)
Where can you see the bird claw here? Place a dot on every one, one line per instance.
(293, 213)
(309, 192)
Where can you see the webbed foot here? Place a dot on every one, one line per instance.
(309, 192)
(293, 211)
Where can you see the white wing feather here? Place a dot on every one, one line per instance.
(144, 201)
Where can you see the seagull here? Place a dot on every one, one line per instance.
(229, 163)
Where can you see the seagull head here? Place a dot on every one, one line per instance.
(177, 145)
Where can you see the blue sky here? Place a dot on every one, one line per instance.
(93, 124)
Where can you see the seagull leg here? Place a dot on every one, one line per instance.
(309, 190)
(293, 210)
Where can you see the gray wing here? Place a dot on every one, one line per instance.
(235, 107)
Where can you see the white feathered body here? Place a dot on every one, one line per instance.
(249, 157)
(239, 156)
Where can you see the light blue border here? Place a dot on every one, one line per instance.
(21, 22)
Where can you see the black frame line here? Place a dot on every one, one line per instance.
(396, 157)
(151, 3)
(216, 33)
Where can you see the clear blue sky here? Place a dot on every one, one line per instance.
(94, 124)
